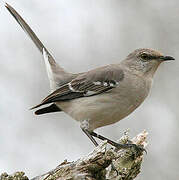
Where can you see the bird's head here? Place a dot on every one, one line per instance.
(145, 61)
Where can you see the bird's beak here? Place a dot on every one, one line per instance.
(166, 58)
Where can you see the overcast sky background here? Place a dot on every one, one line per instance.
(84, 34)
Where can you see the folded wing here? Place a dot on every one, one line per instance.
(91, 83)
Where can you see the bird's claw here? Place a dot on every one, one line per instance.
(138, 148)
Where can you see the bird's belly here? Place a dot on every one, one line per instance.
(101, 110)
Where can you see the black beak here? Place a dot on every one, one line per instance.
(167, 58)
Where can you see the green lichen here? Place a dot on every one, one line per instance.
(15, 176)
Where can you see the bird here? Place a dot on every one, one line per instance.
(101, 96)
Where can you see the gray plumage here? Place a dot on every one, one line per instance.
(101, 96)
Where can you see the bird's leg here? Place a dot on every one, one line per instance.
(104, 138)
(117, 145)
(87, 132)
(85, 126)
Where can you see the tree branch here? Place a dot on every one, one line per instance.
(102, 163)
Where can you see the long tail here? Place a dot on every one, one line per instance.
(56, 74)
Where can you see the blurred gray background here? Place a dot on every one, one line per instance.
(84, 34)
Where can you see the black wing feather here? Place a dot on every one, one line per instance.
(49, 109)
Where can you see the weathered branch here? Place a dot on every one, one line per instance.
(102, 163)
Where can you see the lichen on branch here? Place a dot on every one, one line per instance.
(103, 163)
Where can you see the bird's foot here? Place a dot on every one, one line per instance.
(138, 148)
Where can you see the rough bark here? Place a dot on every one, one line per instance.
(103, 163)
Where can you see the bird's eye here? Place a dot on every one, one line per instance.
(144, 56)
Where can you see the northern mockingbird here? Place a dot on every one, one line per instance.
(101, 96)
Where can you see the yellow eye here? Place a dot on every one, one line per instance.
(144, 56)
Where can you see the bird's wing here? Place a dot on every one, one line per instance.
(49, 109)
(91, 83)
(55, 72)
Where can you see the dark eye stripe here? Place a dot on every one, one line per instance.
(150, 57)
(147, 56)
(154, 57)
